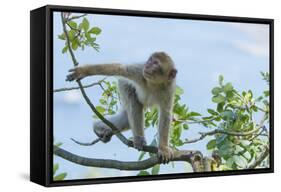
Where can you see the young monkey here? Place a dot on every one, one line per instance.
(140, 86)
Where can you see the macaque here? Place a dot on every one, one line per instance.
(140, 86)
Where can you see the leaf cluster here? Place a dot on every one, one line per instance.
(109, 98)
(80, 35)
(234, 113)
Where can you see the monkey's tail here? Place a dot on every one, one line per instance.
(86, 144)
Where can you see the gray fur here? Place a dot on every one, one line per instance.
(137, 91)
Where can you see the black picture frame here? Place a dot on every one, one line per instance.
(41, 99)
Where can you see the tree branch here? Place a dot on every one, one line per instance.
(233, 133)
(194, 121)
(192, 157)
(76, 17)
(84, 86)
(260, 159)
(216, 131)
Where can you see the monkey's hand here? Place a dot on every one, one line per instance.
(139, 142)
(76, 73)
(165, 153)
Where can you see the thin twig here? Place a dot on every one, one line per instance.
(194, 121)
(73, 27)
(233, 133)
(216, 131)
(84, 86)
(76, 17)
(68, 41)
(260, 159)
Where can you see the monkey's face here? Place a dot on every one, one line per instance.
(159, 68)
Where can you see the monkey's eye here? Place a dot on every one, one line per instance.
(155, 62)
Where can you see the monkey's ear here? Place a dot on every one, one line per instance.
(172, 74)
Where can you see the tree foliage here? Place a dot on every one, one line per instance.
(80, 35)
(240, 139)
(58, 176)
(236, 127)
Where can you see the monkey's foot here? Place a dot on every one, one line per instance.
(104, 134)
(165, 154)
(139, 142)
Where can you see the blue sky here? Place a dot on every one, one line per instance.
(202, 50)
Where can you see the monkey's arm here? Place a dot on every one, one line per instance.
(132, 72)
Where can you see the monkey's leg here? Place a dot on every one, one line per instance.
(134, 111)
(136, 122)
(104, 132)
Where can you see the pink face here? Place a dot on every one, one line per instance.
(152, 67)
(158, 69)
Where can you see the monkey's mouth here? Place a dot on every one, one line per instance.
(148, 75)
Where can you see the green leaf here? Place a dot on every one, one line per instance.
(228, 115)
(185, 126)
(55, 168)
(216, 90)
(71, 34)
(64, 50)
(192, 114)
(220, 79)
(229, 162)
(103, 101)
(265, 102)
(62, 36)
(228, 87)
(229, 94)
(217, 118)
(155, 169)
(100, 109)
(212, 112)
(220, 107)
(85, 24)
(88, 36)
(249, 95)
(211, 144)
(142, 173)
(60, 177)
(179, 91)
(141, 155)
(72, 24)
(247, 155)
(176, 132)
(266, 93)
(218, 99)
(95, 30)
(245, 143)
(240, 161)
(74, 45)
(238, 149)
(207, 118)
(113, 102)
(221, 139)
(58, 144)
